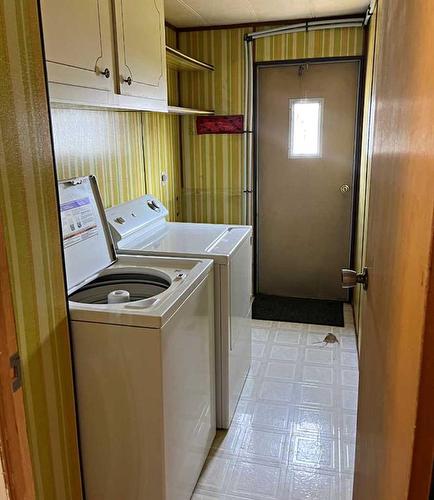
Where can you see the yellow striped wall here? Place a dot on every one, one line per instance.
(107, 144)
(126, 151)
(213, 164)
(28, 210)
(322, 43)
(172, 75)
(161, 153)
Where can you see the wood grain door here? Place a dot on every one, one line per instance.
(305, 188)
(78, 42)
(395, 432)
(141, 49)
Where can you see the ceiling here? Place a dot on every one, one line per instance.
(197, 13)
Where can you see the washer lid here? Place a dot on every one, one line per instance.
(87, 243)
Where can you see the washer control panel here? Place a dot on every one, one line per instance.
(135, 215)
(152, 204)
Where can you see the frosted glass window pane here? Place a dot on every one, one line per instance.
(305, 129)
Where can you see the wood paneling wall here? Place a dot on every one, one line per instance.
(29, 213)
(213, 164)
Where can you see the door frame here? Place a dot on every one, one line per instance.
(15, 457)
(357, 149)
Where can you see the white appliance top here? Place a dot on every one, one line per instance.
(140, 226)
(87, 243)
(181, 275)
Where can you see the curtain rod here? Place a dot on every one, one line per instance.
(307, 26)
(370, 11)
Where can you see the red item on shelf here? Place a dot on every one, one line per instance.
(228, 124)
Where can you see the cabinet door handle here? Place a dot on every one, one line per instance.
(105, 73)
(127, 80)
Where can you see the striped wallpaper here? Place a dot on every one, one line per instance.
(213, 164)
(107, 144)
(162, 155)
(172, 75)
(29, 212)
(322, 43)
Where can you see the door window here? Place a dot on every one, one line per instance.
(305, 128)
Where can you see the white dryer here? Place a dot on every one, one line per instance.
(143, 348)
(140, 227)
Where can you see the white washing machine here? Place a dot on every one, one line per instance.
(143, 348)
(140, 227)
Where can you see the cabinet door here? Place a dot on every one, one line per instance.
(141, 49)
(78, 47)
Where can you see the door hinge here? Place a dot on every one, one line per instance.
(15, 363)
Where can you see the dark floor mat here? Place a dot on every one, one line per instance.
(295, 310)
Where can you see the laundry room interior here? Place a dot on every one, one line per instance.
(216, 250)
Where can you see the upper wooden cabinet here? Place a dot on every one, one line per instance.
(141, 48)
(94, 59)
(78, 43)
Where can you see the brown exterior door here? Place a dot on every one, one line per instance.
(395, 445)
(306, 134)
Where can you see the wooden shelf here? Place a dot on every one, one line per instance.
(182, 62)
(178, 110)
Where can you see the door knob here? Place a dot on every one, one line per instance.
(351, 278)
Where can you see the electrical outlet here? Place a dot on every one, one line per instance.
(164, 178)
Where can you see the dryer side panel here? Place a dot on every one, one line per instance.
(240, 341)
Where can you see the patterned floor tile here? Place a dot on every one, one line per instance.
(260, 334)
(288, 337)
(265, 446)
(258, 481)
(316, 452)
(280, 370)
(268, 415)
(315, 421)
(283, 352)
(293, 433)
(306, 484)
(349, 423)
(214, 473)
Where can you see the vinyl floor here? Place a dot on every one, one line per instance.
(293, 434)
